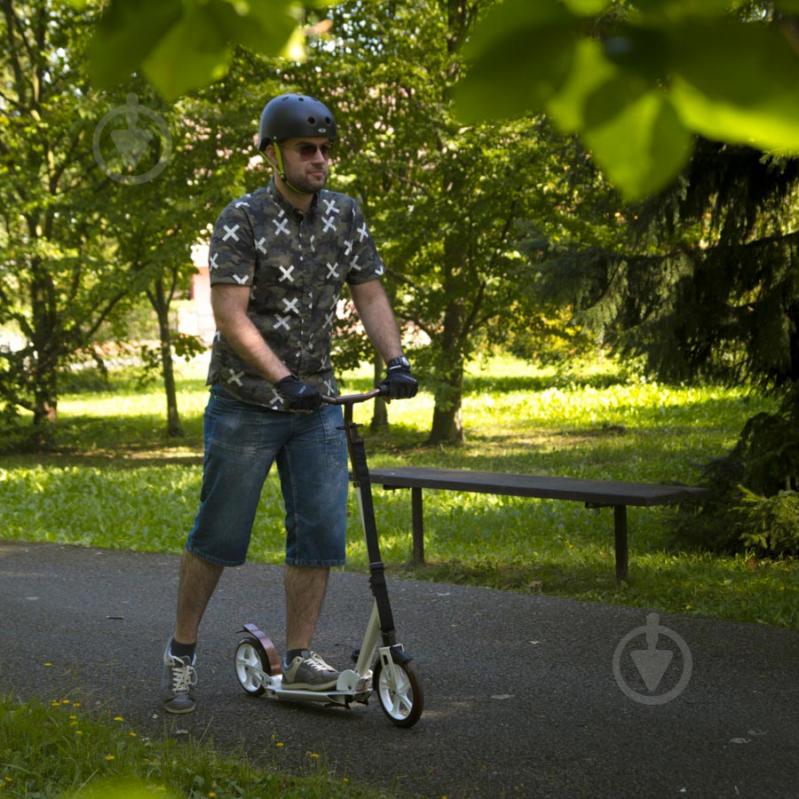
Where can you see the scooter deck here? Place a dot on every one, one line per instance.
(274, 687)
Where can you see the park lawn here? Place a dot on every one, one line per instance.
(117, 482)
(54, 749)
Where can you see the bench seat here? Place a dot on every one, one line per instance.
(594, 493)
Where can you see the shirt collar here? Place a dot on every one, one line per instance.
(286, 205)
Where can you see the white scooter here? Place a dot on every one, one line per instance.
(381, 664)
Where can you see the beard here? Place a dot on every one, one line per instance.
(304, 183)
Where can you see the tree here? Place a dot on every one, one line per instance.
(444, 201)
(58, 279)
(156, 222)
(703, 280)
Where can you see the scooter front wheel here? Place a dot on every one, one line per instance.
(400, 693)
(250, 666)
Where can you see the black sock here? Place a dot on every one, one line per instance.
(182, 650)
(293, 653)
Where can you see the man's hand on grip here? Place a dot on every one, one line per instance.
(299, 396)
(399, 383)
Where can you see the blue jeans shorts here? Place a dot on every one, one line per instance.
(241, 443)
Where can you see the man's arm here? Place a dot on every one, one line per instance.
(375, 312)
(229, 304)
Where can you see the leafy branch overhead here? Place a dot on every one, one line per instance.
(180, 45)
(635, 80)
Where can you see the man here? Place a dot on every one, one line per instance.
(279, 257)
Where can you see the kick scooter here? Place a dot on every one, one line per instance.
(382, 665)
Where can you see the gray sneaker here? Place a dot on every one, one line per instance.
(178, 678)
(309, 672)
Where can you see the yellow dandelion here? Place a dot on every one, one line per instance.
(48, 664)
(280, 744)
(118, 718)
(109, 758)
(76, 704)
(132, 734)
(313, 755)
(211, 794)
(78, 732)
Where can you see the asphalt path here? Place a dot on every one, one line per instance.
(528, 696)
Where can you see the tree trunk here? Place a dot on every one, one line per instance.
(45, 340)
(380, 408)
(158, 300)
(45, 407)
(447, 427)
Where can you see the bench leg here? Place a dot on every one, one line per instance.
(418, 526)
(620, 522)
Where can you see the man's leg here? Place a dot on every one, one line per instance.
(198, 579)
(313, 476)
(305, 592)
(239, 450)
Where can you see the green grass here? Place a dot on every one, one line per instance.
(118, 482)
(55, 750)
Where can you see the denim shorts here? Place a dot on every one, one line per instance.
(241, 443)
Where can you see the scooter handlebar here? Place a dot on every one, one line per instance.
(351, 399)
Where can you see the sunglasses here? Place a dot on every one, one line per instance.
(307, 150)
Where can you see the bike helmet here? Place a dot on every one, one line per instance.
(289, 116)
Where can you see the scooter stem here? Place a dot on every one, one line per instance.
(363, 485)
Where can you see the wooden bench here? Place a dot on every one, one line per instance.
(594, 493)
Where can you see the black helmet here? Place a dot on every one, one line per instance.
(289, 116)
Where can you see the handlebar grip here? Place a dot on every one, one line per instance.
(351, 399)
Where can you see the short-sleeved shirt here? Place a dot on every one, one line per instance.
(295, 265)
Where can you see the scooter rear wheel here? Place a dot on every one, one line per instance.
(403, 703)
(250, 665)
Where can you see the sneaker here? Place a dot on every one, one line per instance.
(310, 673)
(178, 679)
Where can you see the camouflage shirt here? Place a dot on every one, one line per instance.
(295, 265)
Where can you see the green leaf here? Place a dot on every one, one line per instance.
(184, 45)
(587, 8)
(738, 83)
(508, 17)
(193, 53)
(638, 138)
(265, 29)
(519, 55)
(675, 10)
(639, 50)
(590, 69)
(126, 34)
